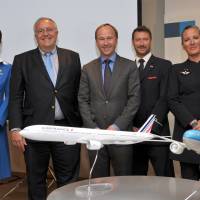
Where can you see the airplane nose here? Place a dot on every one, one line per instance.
(23, 133)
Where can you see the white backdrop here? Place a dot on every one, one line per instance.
(76, 20)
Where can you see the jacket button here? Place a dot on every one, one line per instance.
(56, 91)
(53, 107)
(107, 102)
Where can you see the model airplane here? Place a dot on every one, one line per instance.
(96, 138)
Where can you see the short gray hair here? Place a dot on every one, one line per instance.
(43, 18)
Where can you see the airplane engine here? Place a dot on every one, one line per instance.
(177, 147)
(94, 145)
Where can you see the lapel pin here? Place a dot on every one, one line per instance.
(151, 66)
(185, 72)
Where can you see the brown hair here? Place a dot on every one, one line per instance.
(141, 29)
(103, 25)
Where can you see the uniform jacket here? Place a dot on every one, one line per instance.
(5, 71)
(184, 101)
(154, 83)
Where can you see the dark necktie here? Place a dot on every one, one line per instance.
(141, 66)
(107, 76)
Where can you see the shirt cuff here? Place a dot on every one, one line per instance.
(114, 126)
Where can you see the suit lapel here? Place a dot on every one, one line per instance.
(118, 66)
(37, 58)
(98, 75)
(61, 65)
(145, 72)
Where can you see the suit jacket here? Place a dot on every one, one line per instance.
(32, 94)
(123, 100)
(154, 83)
(184, 101)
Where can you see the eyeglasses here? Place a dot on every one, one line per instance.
(47, 30)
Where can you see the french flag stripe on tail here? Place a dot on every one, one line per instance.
(147, 126)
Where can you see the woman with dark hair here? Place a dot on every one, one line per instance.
(184, 99)
(5, 70)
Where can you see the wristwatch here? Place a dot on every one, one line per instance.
(194, 123)
(15, 130)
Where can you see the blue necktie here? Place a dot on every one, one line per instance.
(49, 67)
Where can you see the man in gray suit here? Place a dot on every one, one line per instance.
(108, 99)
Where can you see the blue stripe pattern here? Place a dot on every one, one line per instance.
(175, 29)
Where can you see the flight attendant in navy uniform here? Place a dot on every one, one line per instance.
(184, 99)
(5, 70)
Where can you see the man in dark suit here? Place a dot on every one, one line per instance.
(154, 73)
(108, 99)
(43, 90)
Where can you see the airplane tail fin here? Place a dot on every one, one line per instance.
(147, 126)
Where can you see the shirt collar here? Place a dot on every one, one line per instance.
(53, 51)
(146, 59)
(112, 58)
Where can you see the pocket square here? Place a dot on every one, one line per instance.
(152, 77)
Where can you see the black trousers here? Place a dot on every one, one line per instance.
(157, 154)
(120, 156)
(190, 171)
(66, 162)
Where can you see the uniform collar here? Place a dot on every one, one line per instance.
(146, 59)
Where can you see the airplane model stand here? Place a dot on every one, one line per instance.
(13, 188)
(20, 182)
(93, 189)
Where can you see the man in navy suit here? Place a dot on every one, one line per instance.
(43, 90)
(154, 73)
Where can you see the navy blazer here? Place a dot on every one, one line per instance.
(154, 83)
(32, 94)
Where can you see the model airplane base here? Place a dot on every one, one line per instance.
(95, 189)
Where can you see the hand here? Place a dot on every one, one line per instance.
(135, 129)
(18, 141)
(111, 128)
(197, 127)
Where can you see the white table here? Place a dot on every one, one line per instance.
(134, 188)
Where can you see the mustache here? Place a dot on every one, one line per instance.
(142, 46)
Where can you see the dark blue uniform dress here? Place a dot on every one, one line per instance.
(184, 102)
(5, 70)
